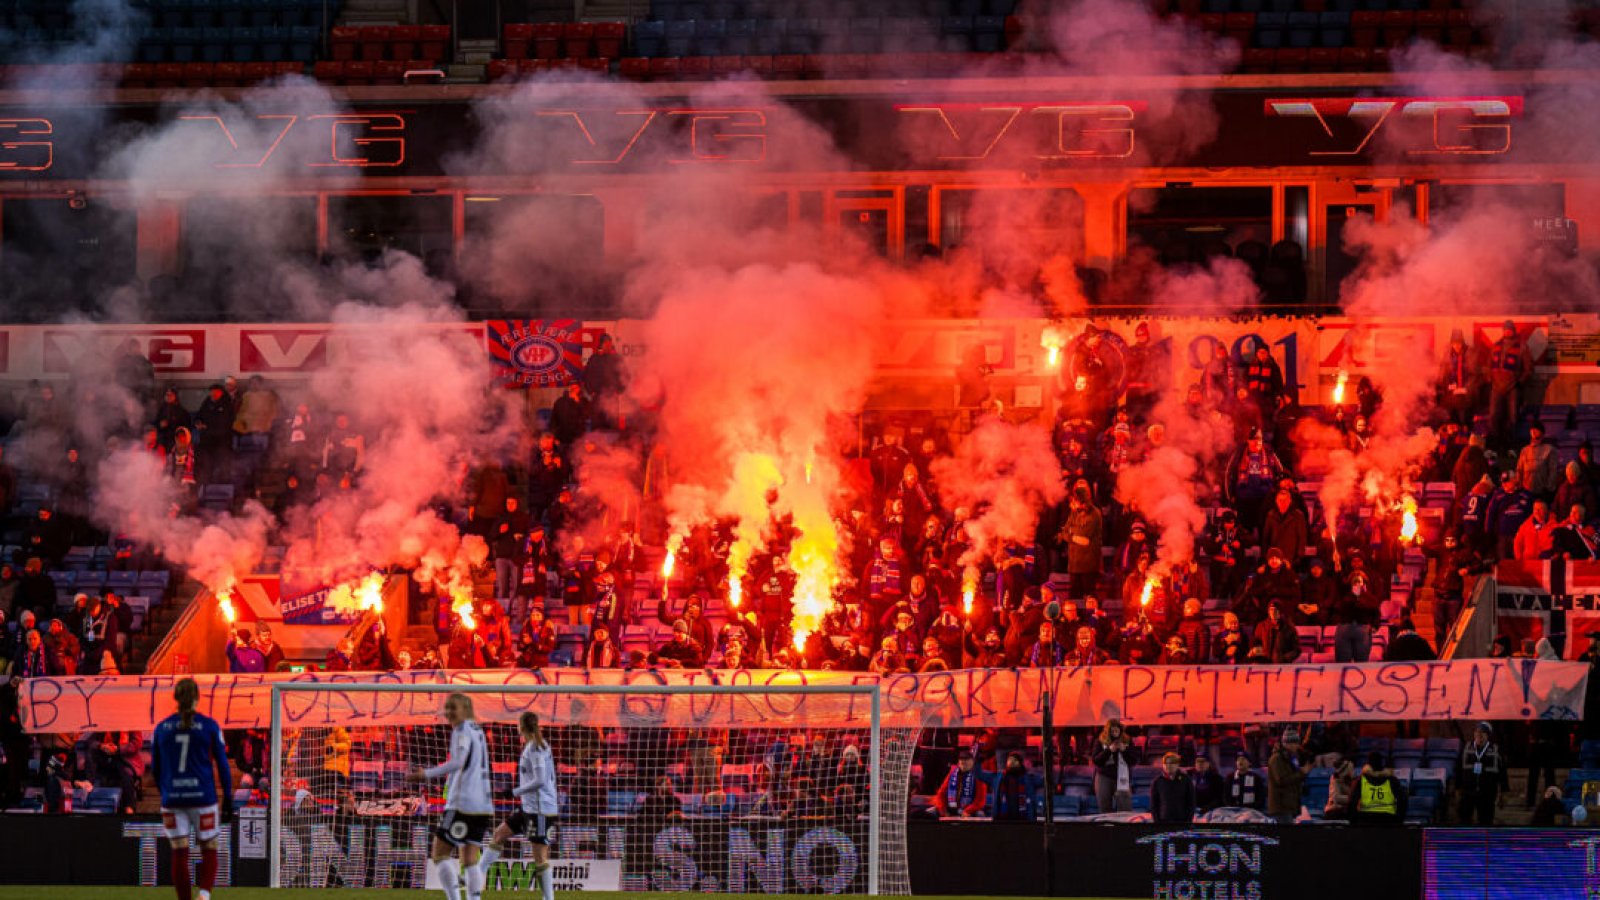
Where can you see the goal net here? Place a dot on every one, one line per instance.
(740, 789)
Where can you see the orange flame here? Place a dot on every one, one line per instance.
(735, 591)
(225, 603)
(1408, 519)
(671, 562)
(1052, 340)
(461, 605)
(969, 589)
(1150, 585)
(1338, 387)
(360, 596)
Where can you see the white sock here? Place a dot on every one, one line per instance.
(547, 882)
(448, 870)
(490, 854)
(474, 878)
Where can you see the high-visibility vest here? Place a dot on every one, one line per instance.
(1379, 798)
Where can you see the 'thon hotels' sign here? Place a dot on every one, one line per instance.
(1031, 125)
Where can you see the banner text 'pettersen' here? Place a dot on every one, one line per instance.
(973, 698)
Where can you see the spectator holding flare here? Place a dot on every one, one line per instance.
(190, 763)
(963, 794)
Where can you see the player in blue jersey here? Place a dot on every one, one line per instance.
(190, 763)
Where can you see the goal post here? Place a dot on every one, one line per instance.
(757, 788)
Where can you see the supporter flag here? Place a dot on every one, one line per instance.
(1559, 599)
(1523, 601)
(537, 352)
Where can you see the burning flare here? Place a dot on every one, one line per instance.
(969, 589)
(461, 605)
(1338, 387)
(674, 542)
(359, 596)
(1151, 582)
(225, 603)
(1408, 519)
(1052, 340)
(735, 590)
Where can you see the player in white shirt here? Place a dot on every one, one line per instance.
(536, 787)
(469, 803)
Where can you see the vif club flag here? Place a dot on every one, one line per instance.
(536, 353)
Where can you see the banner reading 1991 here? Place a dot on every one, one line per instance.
(973, 698)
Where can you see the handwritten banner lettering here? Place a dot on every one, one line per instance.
(1173, 695)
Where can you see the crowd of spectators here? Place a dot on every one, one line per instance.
(576, 584)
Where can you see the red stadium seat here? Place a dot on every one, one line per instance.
(1430, 25)
(1398, 26)
(596, 64)
(723, 66)
(634, 67)
(288, 67)
(198, 74)
(1380, 59)
(501, 69)
(1315, 6)
(813, 66)
(358, 71)
(329, 70)
(260, 71)
(435, 42)
(168, 75)
(1354, 59)
(1458, 29)
(404, 41)
(138, 74)
(759, 65)
(1188, 8)
(1258, 61)
(517, 38)
(1322, 59)
(1240, 27)
(374, 42)
(1290, 59)
(696, 68)
(344, 42)
(1364, 24)
(608, 38)
(530, 67)
(664, 68)
(847, 66)
(577, 40)
(788, 67)
(546, 41)
(228, 74)
(388, 71)
(1213, 23)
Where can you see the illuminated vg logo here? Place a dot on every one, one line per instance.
(1207, 865)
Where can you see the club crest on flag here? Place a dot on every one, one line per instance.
(536, 353)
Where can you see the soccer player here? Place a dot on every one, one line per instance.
(536, 785)
(468, 808)
(188, 757)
